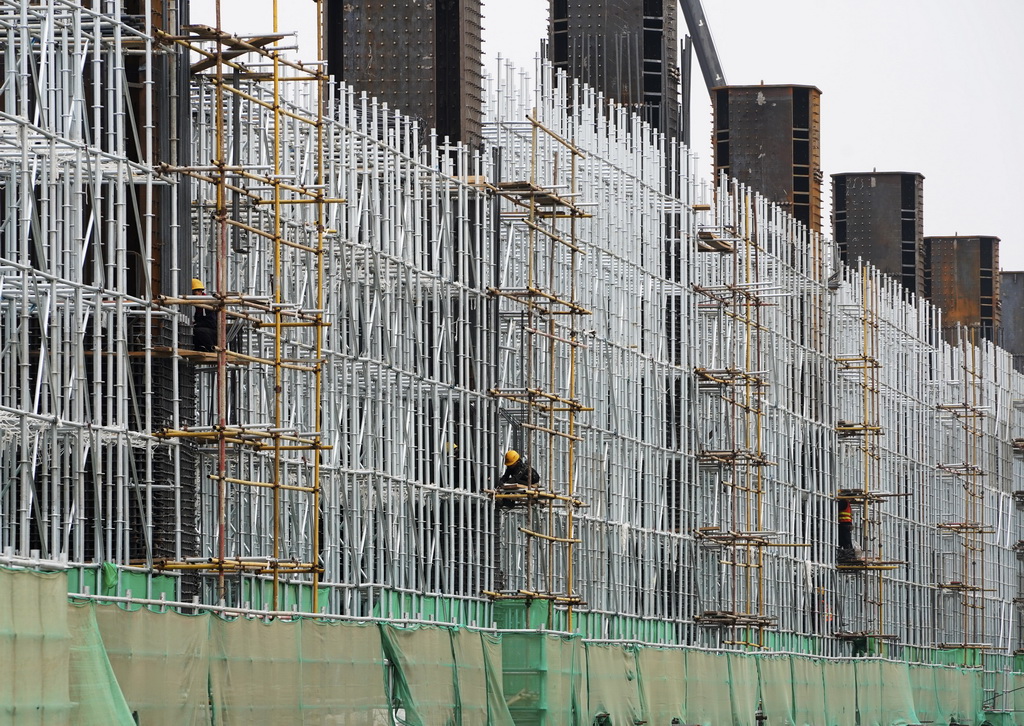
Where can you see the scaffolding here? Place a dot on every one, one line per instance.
(760, 438)
(693, 366)
(261, 150)
(962, 574)
(859, 430)
(634, 463)
(541, 334)
(78, 272)
(731, 456)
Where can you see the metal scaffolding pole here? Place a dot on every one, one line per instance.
(77, 186)
(962, 473)
(540, 292)
(860, 432)
(264, 458)
(696, 377)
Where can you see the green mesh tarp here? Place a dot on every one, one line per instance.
(161, 662)
(840, 686)
(884, 694)
(960, 692)
(897, 695)
(808, 692)
(477, 699)
(53, 664)
(34, 643)
(253, 678)
(743, 687)
(497, 709)
(942, 693)
(775, 675)
(662, 683)
(342, 674)
(1015, 700)
(869, 690)
(708, 700)
(90, 664)
(94, 690)
(543, 678)
(947, 693)
(425, 673)
(926, 696)
(446, 676)
(313, 671)
(971, 696)
(612, 684)
(580, 687)
(303, 671)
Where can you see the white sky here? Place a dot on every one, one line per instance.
(932, 86)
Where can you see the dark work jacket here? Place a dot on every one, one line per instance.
(520, 473)
(204, 329)
(205, 319)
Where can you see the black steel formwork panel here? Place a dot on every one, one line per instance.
(769, 137)
(878, 217)
(962, 278)
(1011, 316)
(389, 53)
(421, 58)
(625, 49)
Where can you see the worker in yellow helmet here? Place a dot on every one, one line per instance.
(204, 324)
(517, 471)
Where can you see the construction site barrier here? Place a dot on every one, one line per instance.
(84, 664)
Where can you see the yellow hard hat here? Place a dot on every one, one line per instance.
(511, 457)
(197, 284)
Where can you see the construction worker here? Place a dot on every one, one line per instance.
(517, 474)
(204, 324)
(845, 526)
(517, 471)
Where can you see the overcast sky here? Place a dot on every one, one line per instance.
(929, 86)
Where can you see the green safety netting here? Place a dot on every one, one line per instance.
(839, 683)
(543, 679)
(743, 687)
(445, 676)
(808, 692)
(945, 693)
(172, 668)
(95, 692)
(425, 676)
(1015, 699)
(342, 674)
(53, 665)
(897, 696)
(884, 693)
(497, 709)
(613, 684)
(869, 690)
(961, 692)
(708, 692)
(97, 664)
(253, 678)
(471, 676)
(161, 662)
(926, 697)
(34, 642)
(776, 680)
(662, 683)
